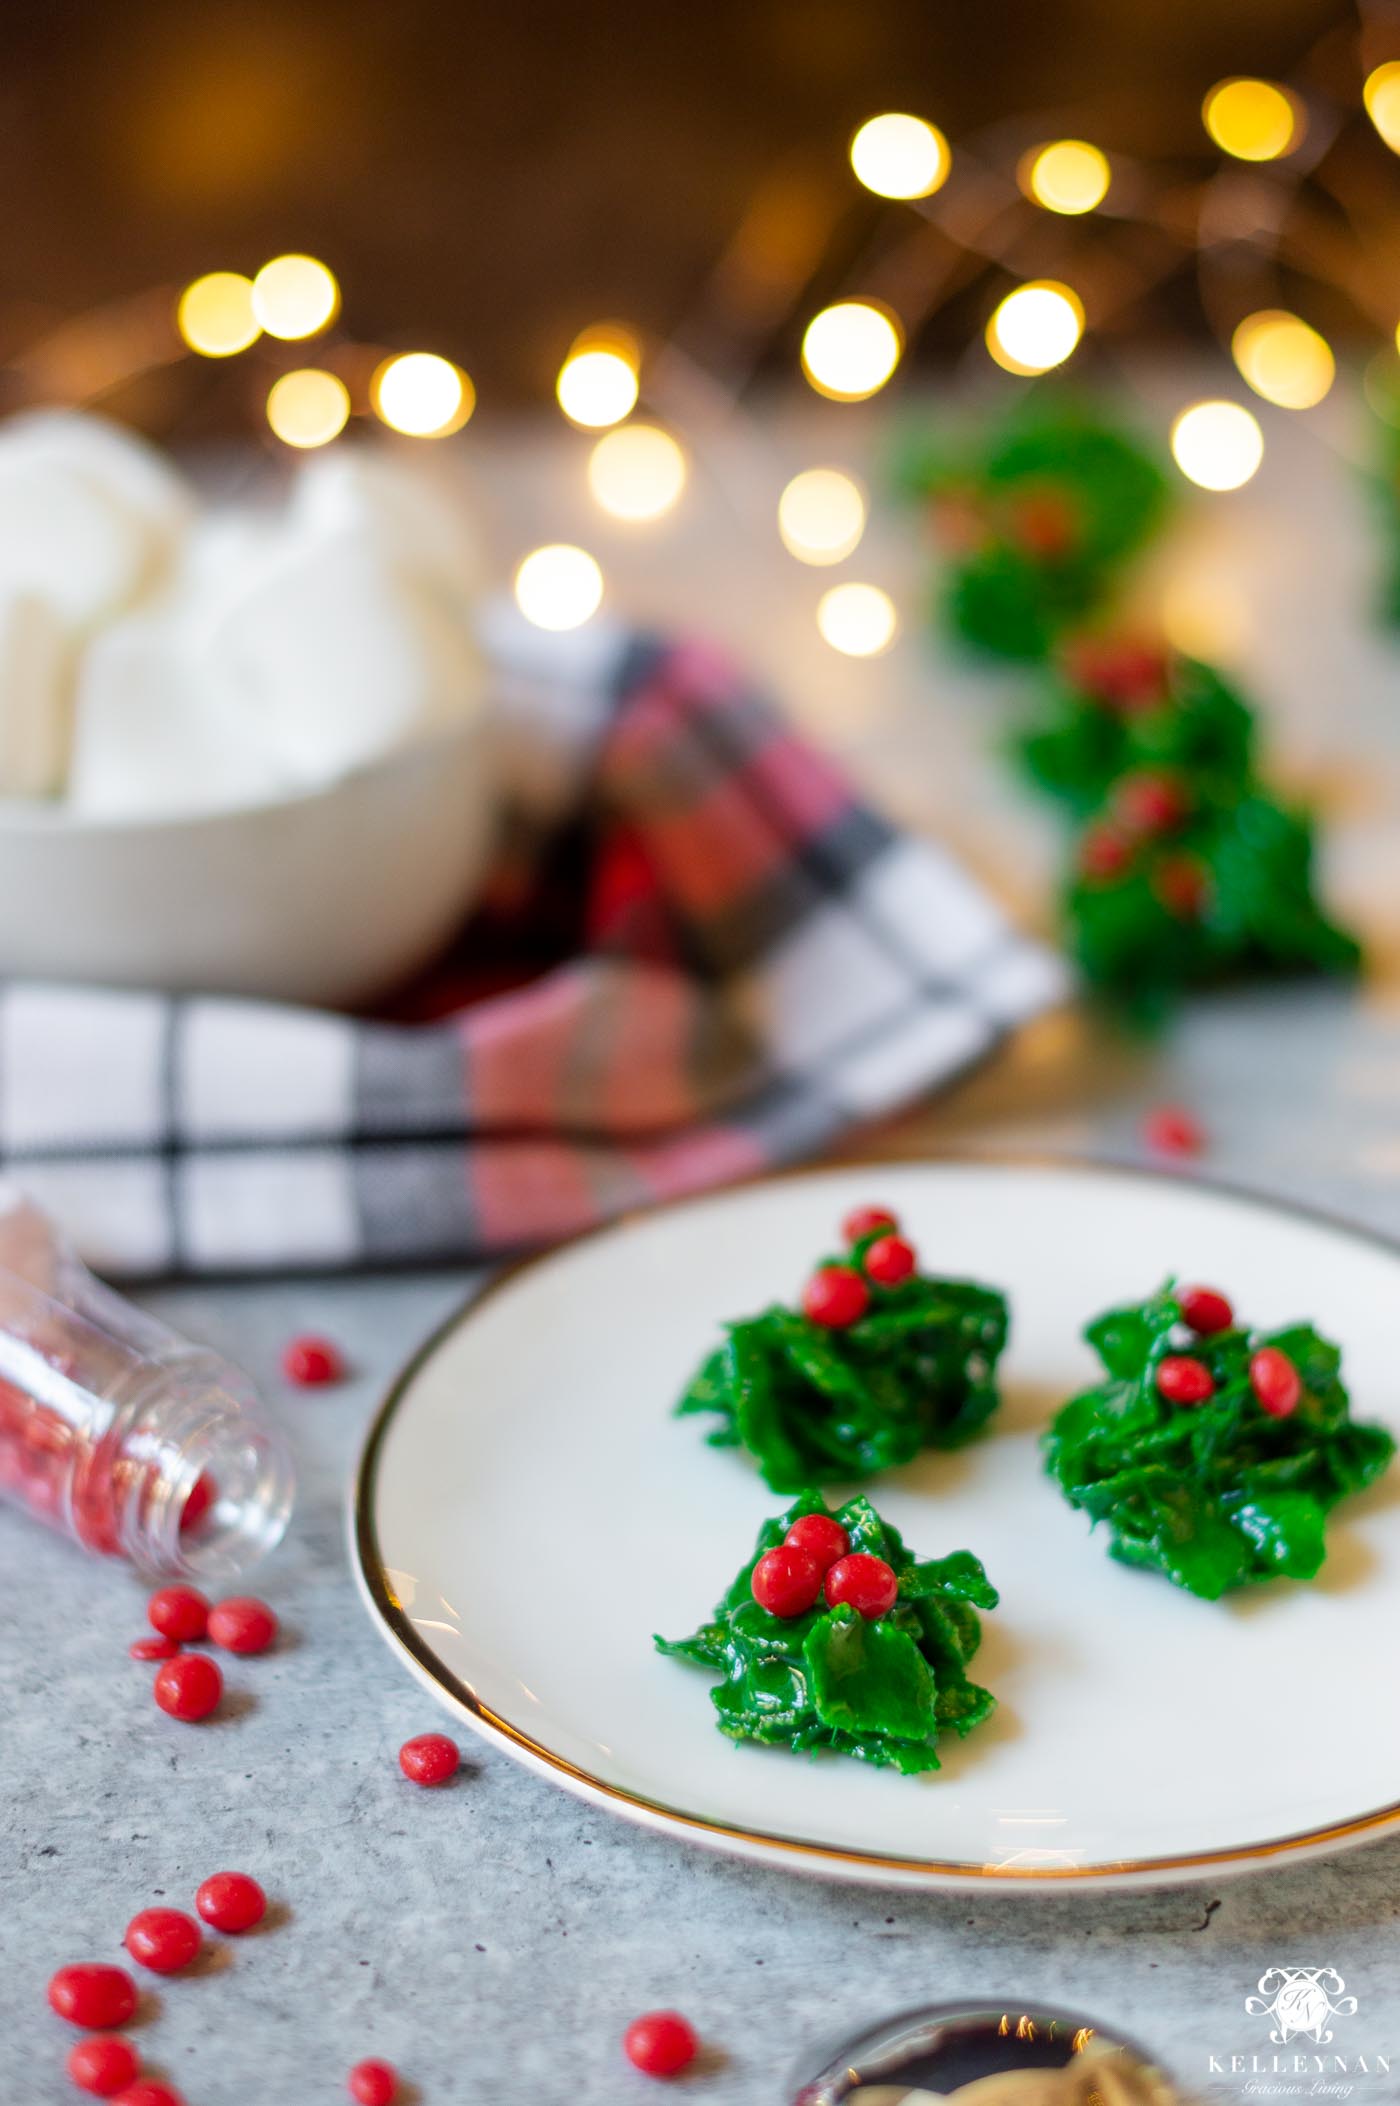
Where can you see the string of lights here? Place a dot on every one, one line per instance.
(975, 197)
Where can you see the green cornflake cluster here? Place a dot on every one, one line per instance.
(1037, 515)
(1108, 708)
(1218, 884)
(883, 1690)
(816, 1405)
(1220, 1494)
(1228, 893)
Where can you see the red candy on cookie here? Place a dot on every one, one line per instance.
(864, 1583)
(1275, 1382)
(1204, 1310)
(821, 1537)
(889, 1260)
(1184, 1380)
(835, 1297)
(786, 1581)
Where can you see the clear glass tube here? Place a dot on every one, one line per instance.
(119, 1433)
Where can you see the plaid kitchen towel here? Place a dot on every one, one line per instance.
(715, 960)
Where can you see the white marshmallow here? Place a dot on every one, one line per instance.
(407, 514)
(329, 658)
(224, 553)
(126, 466)
(148, 741)
(66, 538)
(34, 708)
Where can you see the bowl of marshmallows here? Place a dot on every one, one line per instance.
(241, 749)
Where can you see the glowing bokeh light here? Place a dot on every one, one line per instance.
(421, 395)
(1067, 176)
(598, 381)
(294, 296)
(900, 156)
(637, 472)
(308, 407)
(857, 620)
(1206, 617)
(821, 515)
(558, 587)
(1382, 98)
(1035, 327)
(850, 350)
(215, 315)
(1217, 444)
(1283, 359)
(1254, 120)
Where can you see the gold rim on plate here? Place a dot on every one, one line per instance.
(936, 1871)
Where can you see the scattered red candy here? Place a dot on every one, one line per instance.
(373, 2083)
(242, 1624)
(430, 1758)
(102, 2064)
(1182, 1380)
(660, 2043)
(165, 1940)
(93, 1995)
(230, 1901)
(1204, 1310)
(203, 1493)
(1103, 853)
(864, 1221)
(1275, 1382)
(889, 1260)
(1172, 1130)
(1150, 803)
(179, 1613)
(863, 1583)
(189, 1686)
(835, 1297)
(156, 1648)
(786, 1581)
(149, 2093)
(821, 1537)
(312, 1362)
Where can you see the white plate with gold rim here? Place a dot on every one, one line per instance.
(528, 1513)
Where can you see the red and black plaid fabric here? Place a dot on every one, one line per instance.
(716, 960)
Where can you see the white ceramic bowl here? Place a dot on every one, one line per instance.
(330, 896)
